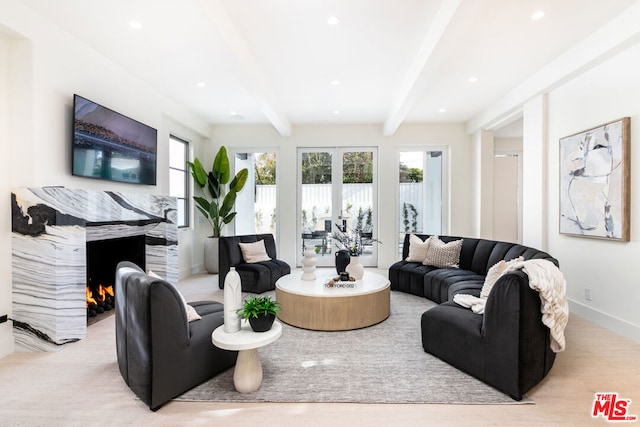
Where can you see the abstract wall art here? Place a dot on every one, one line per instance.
(594, 182)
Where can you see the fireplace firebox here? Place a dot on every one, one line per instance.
(103, 257)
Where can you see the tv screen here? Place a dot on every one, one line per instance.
(108, 145)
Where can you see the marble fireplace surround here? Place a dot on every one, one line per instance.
(50, 228)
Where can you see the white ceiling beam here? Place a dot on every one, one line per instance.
(249, 73)
(618, 34)
(411, 88)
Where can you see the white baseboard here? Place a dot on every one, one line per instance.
(606, 320)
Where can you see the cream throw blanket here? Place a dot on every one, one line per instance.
(548, 280)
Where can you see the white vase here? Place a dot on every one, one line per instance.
(232, 301)
(211, 254)
(309, 263)
(355, 269)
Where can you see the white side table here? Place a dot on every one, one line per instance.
(247, 375)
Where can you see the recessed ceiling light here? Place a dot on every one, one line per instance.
(473, 79)
(135, 25)
(335, 82)
(443, 110)
(537, 15)
(236, 116)
(201, 84)
(336, 112)
(333, 21)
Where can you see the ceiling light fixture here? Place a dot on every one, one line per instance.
(443, 110)
(537, 15)
(333, 21)
(201, 84)
(236, 116)
(336, 112)
(135, 25)
(335, 82)
(473, 79)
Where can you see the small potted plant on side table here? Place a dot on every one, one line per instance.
(260, 312)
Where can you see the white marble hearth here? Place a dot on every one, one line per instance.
(50, 228)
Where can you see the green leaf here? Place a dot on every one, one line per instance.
(227, 203)
(198, 173)
(237, 183)
(203, 212)
(221, 167)
(202, 202)
(227, 219)
(215, 189)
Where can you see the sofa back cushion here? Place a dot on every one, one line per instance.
(478, 255)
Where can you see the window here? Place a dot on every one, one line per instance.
(422, 190)
(337, 187)
(178, 182)
(256, 203)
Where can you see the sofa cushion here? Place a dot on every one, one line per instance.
(438, 281)
(443, 255)
(254, 252)
(418, 249)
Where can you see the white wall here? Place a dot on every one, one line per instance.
(41, 67)
(451, 135)
(6, 338)
(607, 92)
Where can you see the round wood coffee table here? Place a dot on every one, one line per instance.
(309, 304)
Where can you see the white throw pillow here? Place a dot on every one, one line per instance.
(495, 272)
(254, 252)
(192, 314)
(418, 248)
(443, 255)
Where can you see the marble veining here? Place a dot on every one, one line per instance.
(50, 228)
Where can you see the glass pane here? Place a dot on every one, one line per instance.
(256, 203)
(177, 152)
(420, 193)
(182, 209)
(177, 183)
(357, 195)
(316, 203)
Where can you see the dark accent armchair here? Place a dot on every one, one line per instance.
(256, 277)
(160, 354)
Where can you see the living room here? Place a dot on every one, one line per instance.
(44, 65)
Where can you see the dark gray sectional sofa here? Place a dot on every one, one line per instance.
(507, 347)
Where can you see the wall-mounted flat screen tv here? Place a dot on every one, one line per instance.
(109, 145)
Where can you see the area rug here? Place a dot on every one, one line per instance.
(384, 363)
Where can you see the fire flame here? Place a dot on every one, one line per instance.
(90, 298)
(102, 292)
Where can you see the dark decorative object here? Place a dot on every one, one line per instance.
(342, 260)
(262, 323)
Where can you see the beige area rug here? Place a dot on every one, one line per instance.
(384, 363)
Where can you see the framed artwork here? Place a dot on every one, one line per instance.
(594, 182)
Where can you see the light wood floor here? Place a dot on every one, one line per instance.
(81, 385)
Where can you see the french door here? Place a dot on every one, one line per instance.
(337, 195)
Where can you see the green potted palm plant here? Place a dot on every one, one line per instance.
(260, 312)
(217, 201)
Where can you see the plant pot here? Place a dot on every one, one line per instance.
(262, 323)
(211, 254)
(342, 260)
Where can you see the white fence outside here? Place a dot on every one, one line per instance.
(317, 204)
